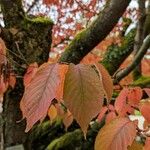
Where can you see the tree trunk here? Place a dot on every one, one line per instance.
(30, 40)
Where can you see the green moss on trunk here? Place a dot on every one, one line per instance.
(116, 55)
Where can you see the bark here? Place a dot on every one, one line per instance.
(87, 39)
(139, 36)
(30, 39)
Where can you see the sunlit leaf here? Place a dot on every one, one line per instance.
(116, 135)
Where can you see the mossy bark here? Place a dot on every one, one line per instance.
(31, 40)
(116, 55)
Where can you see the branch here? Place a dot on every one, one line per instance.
(86, 40)
(120, 75)
(33, 4)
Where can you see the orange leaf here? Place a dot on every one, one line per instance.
(52, 112)
(145, 109)
(39, 94)
(147, 144)
(134, 95)
(116, 135)
(106, 79)
(30, 73)
(83, 94)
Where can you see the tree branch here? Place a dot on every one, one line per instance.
(120, 75)
(86, 40)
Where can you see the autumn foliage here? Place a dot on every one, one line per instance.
(75, 84)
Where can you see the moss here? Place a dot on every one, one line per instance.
(68, 141)
(142, 82)
(115, 54)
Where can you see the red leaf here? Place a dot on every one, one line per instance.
(116, 135)
(145, 109)
(30, 73)
(106, 79)
(134, 95)
(39, 94)
(110, 116)
(83, 94)
(121, 101)
(147, 144)
(102, 113)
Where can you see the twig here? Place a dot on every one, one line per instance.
(138, 57)
(33, 4)
(23, 58)
(16, 55)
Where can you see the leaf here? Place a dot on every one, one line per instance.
(145, 109)
(135, 95)
(110, 116)
(52, 112)
(83, 94)
(102, 113)
(135, 146)
(67, 119)
(39, 94)
(147, 144)
(147, 91)
(30, 73)
(116, 135)
(121, 101)
(63, 68)
(106, 79)
(3, 59)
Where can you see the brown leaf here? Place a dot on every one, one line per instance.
(83, 94)
(116, 135)
(39, 94)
